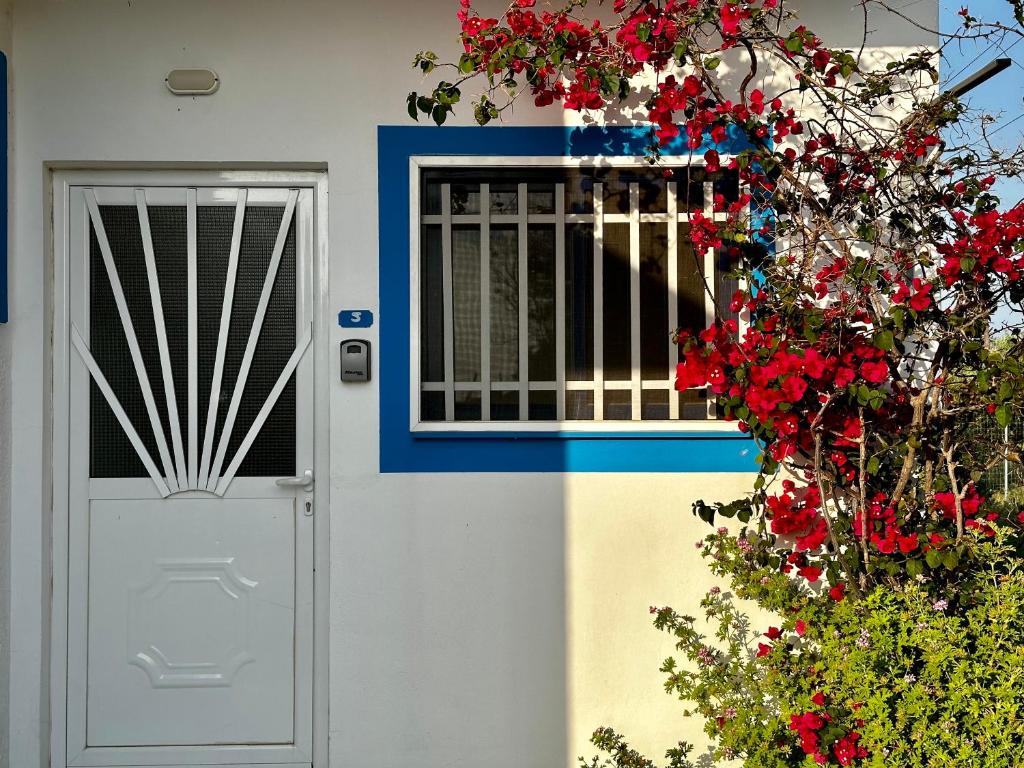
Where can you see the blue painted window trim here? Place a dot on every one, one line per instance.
(401, 450)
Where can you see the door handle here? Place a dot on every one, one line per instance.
(304, 481)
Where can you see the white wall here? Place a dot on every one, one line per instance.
(475, 619)
(5, 457)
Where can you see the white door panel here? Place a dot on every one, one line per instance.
(205, 593)
(190, 571)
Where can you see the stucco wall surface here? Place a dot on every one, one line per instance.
(475, 619)
(5, 459)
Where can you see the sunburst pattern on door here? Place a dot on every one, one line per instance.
(188, 458)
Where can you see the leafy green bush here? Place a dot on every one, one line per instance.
(901, 677)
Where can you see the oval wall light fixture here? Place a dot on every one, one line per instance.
(192, 82)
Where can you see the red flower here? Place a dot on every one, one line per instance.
(793, 387)
(908, 543)
(875, 372)
(731, 14)
(810, 572)
(763, 650)
(773, 633)
(801, 626)
(838, 592)
(818, 699)
(846, 749)
(844, 376)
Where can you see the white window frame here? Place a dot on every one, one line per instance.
(418, 163)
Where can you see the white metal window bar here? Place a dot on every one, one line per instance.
(484, 219)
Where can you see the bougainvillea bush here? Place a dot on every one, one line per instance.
(899, 677)
(859, 346)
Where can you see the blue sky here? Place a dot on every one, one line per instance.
(1002, 95)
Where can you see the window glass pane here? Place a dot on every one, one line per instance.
(110, 452)
(504, 405)
(653, 192)
(466, 302)
(693, 405)
(655, 356)
(618, 404)
(431, 305)
(541, 293)
(465, 198)
(432, 406)
(540, 198)
(579, 192)
(542, 406)
(432, 198)
(615, 317)
(691, 292)
(690, 188)
(504, 292)
(654, 404)
(727, 185)
(615, 192)
(579, 303)
(725, 284)
(504, 198)
(579, 405)
(579, 186)
(467, 406)
(654, 330)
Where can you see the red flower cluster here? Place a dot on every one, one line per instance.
(808, 727)
(971, 504)
(795, 513)
(986, 249)
(884, 532)
(918, 296)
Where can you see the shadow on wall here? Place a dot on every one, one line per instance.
(525, 563)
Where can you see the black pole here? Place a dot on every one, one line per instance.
(982, 75)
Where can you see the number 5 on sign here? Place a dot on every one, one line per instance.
(355, 318)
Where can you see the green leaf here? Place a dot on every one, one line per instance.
(950, 560)
(899, 316)
(712, 62)
(439, 113)
(873, 465)
(934, 558)
(884, 340)
(915, 567)
(411, 102)
(1004, 415)
(704, 512)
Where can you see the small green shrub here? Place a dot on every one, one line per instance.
(902, 677)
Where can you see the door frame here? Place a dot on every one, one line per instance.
(59, 187)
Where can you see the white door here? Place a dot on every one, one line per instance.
(190, 456)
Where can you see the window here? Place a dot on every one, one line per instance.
(546, 295)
